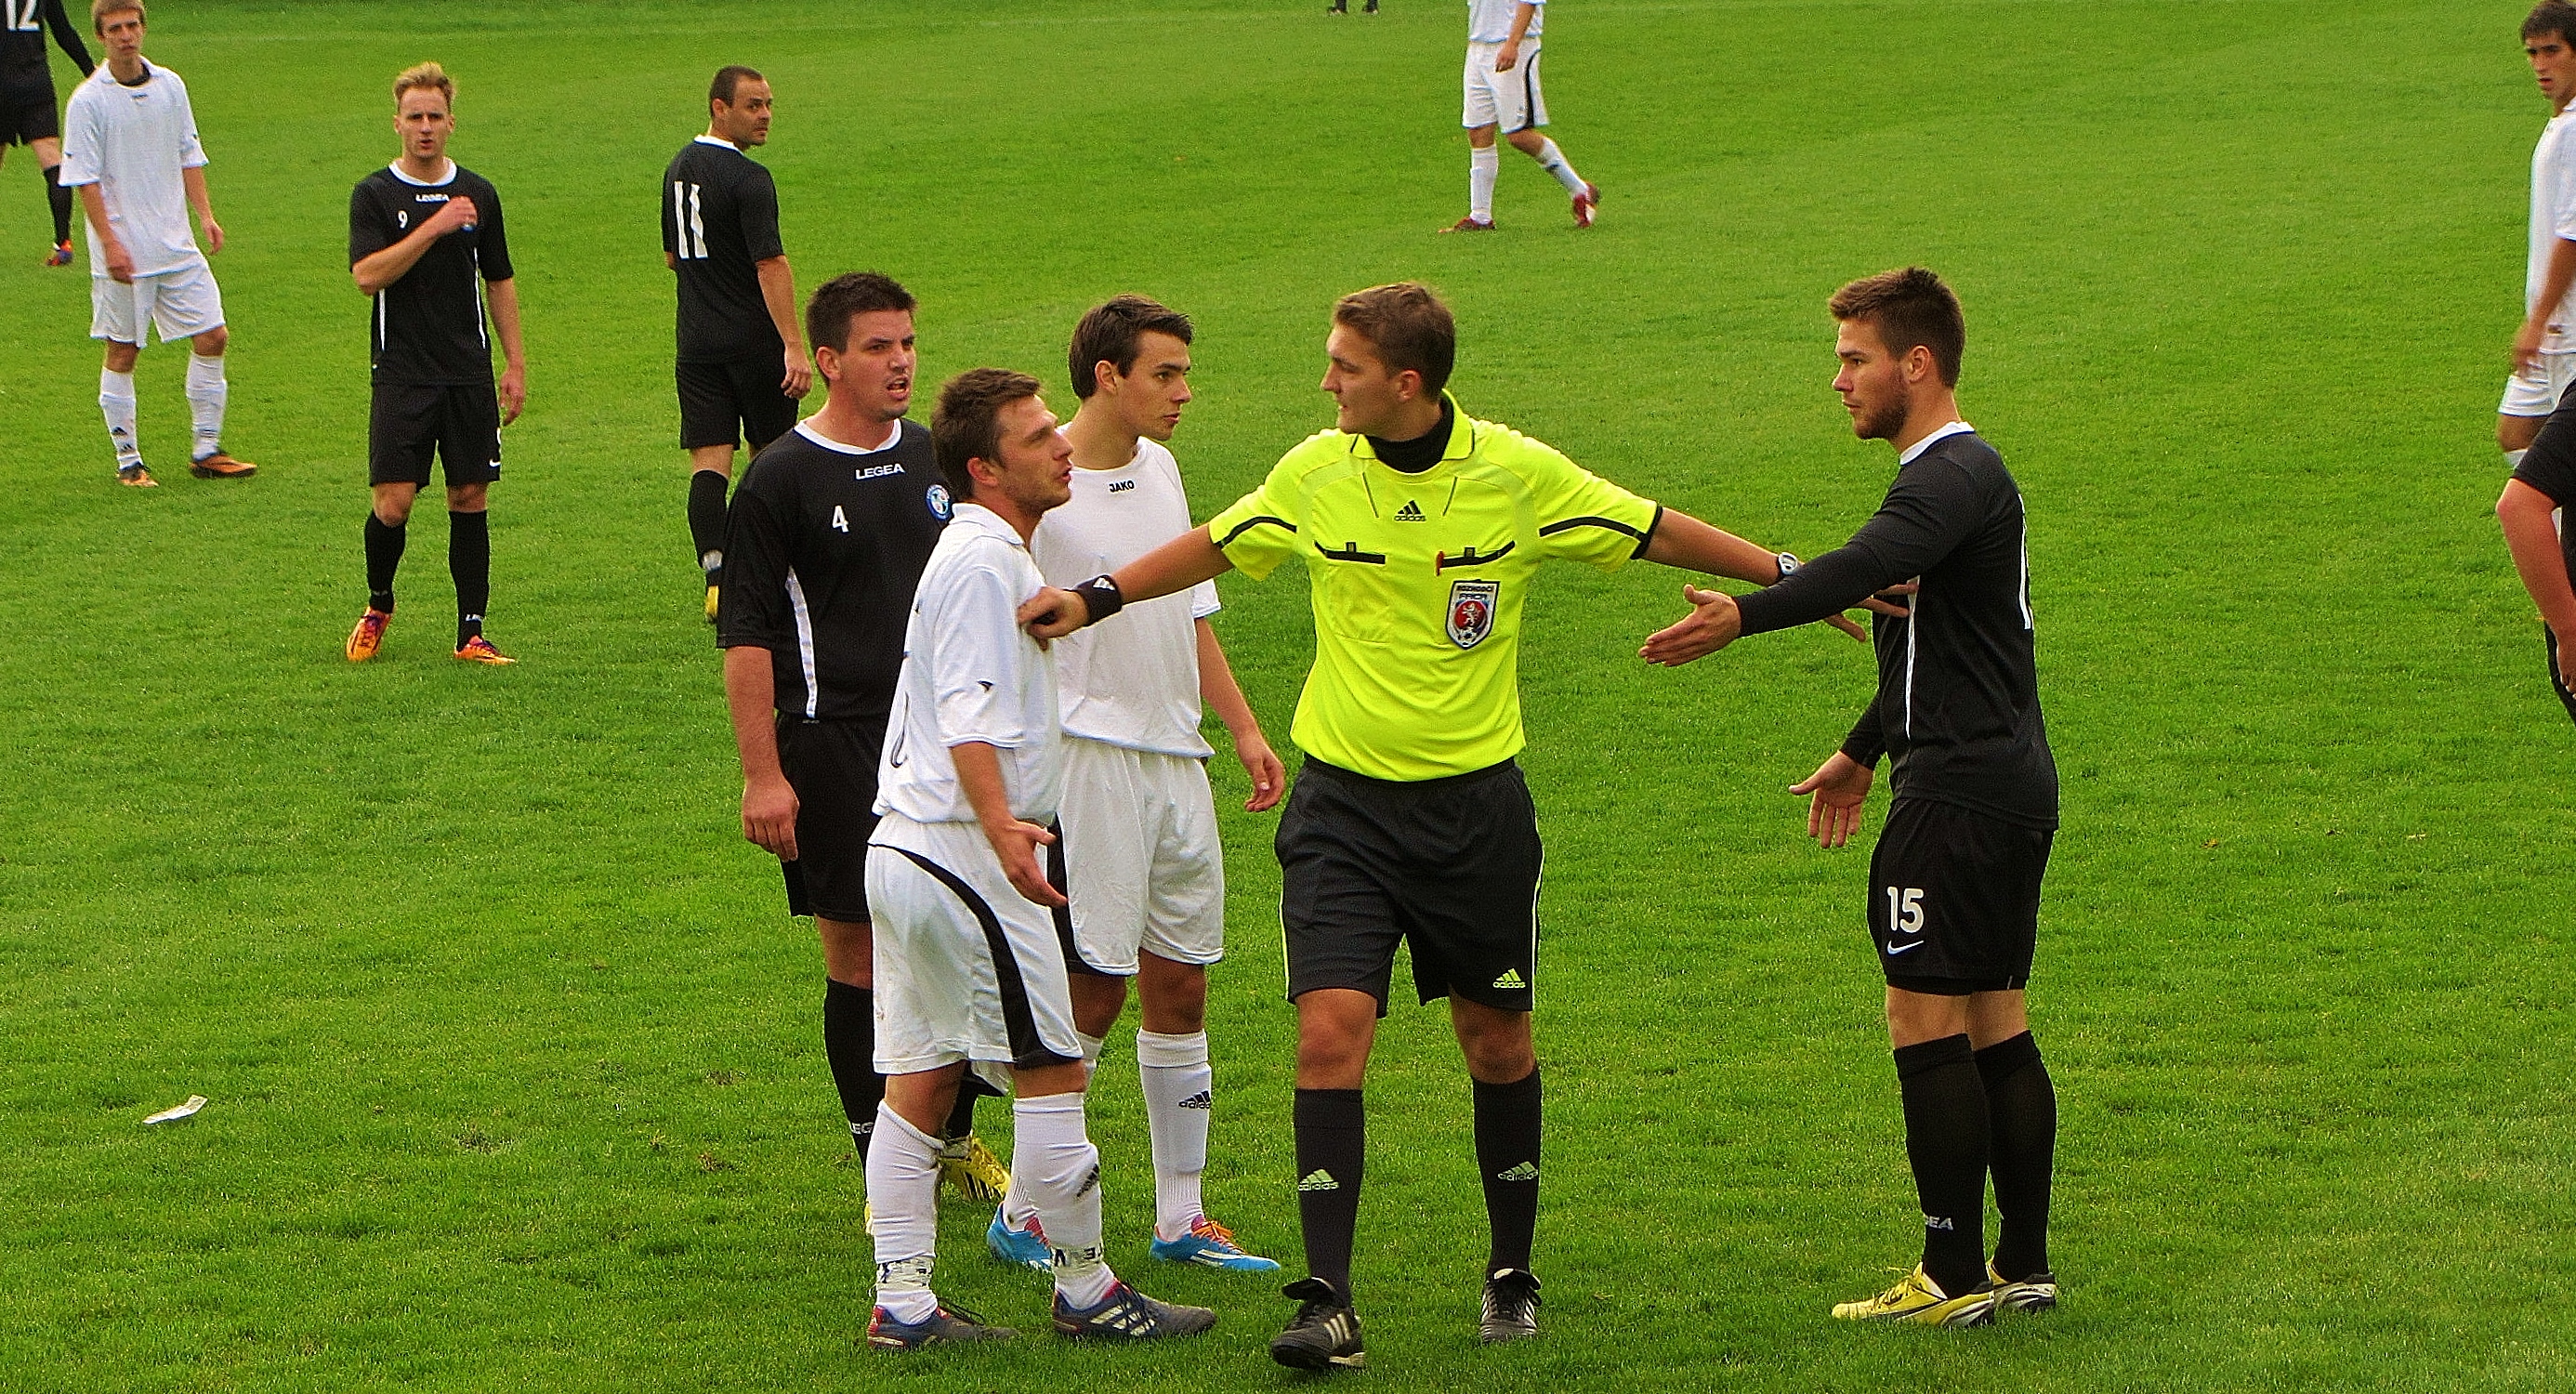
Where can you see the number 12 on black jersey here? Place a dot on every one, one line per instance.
(24, 15)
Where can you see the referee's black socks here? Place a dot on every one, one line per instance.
(1507, 1137)
(469, 560)
(850, 1048)
(707, 516)
(2021, 1107)
(1945, 1139)
(384, 557)
(1332, 1153)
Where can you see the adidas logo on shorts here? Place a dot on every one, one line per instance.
(1526, 1171)
(1511, 978)
(1410, 513)
(1319, 1180)
(1202, 1101)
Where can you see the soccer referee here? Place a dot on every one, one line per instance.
(1420, 528)
(1954, 881)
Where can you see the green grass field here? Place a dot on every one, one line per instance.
(514, 1055)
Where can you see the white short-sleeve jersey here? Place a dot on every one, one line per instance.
(132, 142)
(1490, 21)
(2553, 219)
(970, 673)
(1133, 680)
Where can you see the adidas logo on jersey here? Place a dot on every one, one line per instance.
(1203, 1101)
(1410, 513)
(1511, 978)
(1319, 1180)
(1526, 1171)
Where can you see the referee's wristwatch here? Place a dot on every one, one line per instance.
(1788, 562)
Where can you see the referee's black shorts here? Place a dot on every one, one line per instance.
(715, 398)
(460, 423)
(1449, 866)
(1954, 899)
(27, 113)
(832, 766)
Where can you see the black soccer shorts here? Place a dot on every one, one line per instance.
(406, 422)
(28, 114)
(2557, 675)
(716, 397)
(1954, 899)
(832, 766)
(1449, 866)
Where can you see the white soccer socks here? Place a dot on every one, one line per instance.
(1180, 1093)
(1017, 1208)
(116, 403)
(206, 394)
(1054, 1164)
(1552, 160)
(903, 1200)
(1482, 166)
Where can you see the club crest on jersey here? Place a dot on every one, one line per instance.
(1471, 611)
(937, 498)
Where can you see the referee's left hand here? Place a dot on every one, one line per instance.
(1053, 613)
(1713, 623)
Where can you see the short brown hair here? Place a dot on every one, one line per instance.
(1407, 325)
(728, 78)
(845, 297)
(967, 423)
(99, 10)
(1908, 307)
(420, 75)
(1112, 334)
(2552, 17)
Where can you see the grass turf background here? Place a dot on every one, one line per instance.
(514, 1056)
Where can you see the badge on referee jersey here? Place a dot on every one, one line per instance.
(1471, 611)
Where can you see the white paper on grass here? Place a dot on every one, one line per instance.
(172, 1115)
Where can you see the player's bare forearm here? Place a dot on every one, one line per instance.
(503, 297)
(2533, 540)
(1684, 541)
(194, 181)
(1015, 843)
(751, 696)
(379, 269)
(778, 294)
(1218, 689)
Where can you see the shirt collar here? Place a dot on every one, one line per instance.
(894, 433)
(440, 182)
(1462, 436)
(1955, 428)
(977, 517)
(719, 141)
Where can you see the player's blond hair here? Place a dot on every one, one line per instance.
(99, 10)
(428, 75)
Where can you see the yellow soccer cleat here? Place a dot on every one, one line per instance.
(1919, 1301)
(368, 636)
(2036, 1293)
(971, 1167)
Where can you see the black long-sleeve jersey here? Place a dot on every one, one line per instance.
(22, 43)
(719, 222)
(1958, 681)
(824, 546)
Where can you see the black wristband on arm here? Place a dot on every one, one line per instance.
(1100, 596)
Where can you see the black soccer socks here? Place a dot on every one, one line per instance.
(850, 1048)
(1945, 1139)
(1332, 1150)
(384, 556)
(61, 199)
(707, 516)
(2021, 1109)
(469, 560)
(1507, 1138)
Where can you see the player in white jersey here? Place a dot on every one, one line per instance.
(1143, 865)
(1503, 95)
(969, 967)
(2544, 351)
(130, 148)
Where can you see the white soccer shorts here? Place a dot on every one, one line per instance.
(966, 967)
(1511, 99)
(2536, 392)
(179, 304)
(1141, 855)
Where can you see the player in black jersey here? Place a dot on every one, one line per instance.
(826, 540)
(426, 240)
(27, 112)
(1954, 883)
(741, 358)
(2543, 482)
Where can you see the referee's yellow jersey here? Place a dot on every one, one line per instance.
(1417, 584)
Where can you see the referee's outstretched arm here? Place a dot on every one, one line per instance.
(1173, 567)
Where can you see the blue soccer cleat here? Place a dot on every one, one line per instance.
(1210, 1245)
(1025, 1247)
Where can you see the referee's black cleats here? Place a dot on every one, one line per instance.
(1128, 1315)
(1326, 1332)
(1511, 1306)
